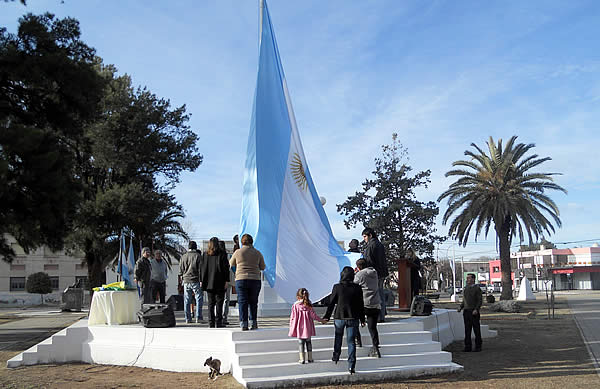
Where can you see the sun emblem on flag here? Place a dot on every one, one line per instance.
(298, 172)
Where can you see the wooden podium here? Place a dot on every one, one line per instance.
(404, 290)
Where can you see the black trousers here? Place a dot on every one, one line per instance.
(215, 307)
(471, 324)
(372, 317)
(158, 288)
(146, 293)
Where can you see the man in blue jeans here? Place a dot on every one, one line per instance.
(248, 262)
(374, 254)
(189, 270)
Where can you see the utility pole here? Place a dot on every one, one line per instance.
(453, 297)
(462, 267)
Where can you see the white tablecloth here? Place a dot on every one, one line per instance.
(114, 307)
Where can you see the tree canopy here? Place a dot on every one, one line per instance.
(499, 188)
(49, 89)
(39, 283)
(84, 153)
(388, 204)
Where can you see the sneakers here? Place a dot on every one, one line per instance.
(245, 328)
(254, 327)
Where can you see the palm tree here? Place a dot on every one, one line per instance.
(499, 188)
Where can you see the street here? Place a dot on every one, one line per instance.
(586, 310)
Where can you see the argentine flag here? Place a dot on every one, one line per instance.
(124, 266)
(280, 205)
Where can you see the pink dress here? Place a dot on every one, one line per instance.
(302, 325)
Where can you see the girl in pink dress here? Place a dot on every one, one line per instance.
(302, 324)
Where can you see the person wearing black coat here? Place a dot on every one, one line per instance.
(374, 254)
(215, 275)
(347, 298)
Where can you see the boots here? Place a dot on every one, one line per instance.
(310, 357)
(374, 352)
(301, 360)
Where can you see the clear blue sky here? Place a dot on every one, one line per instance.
(442, 74)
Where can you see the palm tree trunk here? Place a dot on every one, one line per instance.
(503, 238)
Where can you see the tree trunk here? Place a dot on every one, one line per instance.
(94, 265)
(503, 238)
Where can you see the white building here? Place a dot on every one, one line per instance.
(64, 270)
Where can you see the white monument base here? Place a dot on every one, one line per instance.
(262, 358)
(525, 292)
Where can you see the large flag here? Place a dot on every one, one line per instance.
(280, 205)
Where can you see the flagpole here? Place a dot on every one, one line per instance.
(120, 272)
(261, 8)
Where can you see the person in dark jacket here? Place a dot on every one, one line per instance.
(374, 254)
(415, 274)
(348, 297)
(215, 274)
(190, 266)
(143, 274)
(472, 299)
(353, 246)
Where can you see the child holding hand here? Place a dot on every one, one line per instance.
(302, 324)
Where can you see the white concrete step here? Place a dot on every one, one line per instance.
(290, 344)
(325, 353)
(326, 330)
(366, 363)
(362, 375)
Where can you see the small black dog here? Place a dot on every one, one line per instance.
(215, 367)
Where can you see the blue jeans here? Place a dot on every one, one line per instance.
(188, 289)
(351, 326)
(247, 295)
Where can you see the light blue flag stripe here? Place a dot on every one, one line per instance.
(273, 148)
(124, 269)
(267, 152)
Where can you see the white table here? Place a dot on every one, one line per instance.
(114, 307)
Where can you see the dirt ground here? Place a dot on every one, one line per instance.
(530, 351)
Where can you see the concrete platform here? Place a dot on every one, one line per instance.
(267, 357)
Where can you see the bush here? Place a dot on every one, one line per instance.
(39, 283)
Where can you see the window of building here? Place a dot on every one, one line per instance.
(17, 284)
(80, 266)
(50, 266)
(17, 267)
(54, 283)
(84, 281)
(496, 269)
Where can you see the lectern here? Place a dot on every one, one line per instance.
(404, 295)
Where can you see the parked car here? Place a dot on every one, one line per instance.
(458, 290)
(483, 288)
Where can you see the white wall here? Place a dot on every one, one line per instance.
(582, 281)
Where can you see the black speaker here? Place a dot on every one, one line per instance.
(176, 302)
(421, 306)
(157, 316)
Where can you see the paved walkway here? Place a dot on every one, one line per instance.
(34, 326)
(586, 309)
